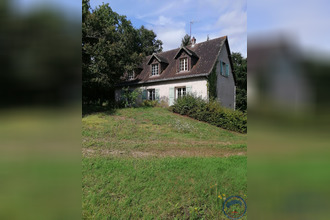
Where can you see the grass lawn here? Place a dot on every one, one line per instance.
(148, 163)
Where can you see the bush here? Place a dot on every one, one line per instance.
(149, 103)
(129, 97)
(211, 112)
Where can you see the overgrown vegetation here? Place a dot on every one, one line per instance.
(212, 82)
(211, 112)
(240, 71)
(129, 97)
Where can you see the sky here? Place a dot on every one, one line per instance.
(170, 20)
(306, 23)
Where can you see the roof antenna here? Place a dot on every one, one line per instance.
(191, 22)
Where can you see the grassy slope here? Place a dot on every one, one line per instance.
(150, 163)
(158, 132)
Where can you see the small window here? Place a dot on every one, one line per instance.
(151, 94)
(183, 64)
(223, 68)
(130, 75)
(180, 92)
(154, 69)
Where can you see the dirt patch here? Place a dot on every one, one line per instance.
(191, 152)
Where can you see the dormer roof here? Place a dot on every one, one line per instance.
(189, 52)
(157, 57)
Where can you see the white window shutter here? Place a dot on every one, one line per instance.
(171, 96)
(157, 94)
(188, 89)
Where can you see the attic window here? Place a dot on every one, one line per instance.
(154, 69)
(183, 64)
(130, 75)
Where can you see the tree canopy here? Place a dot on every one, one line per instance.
(240, 70)
(110, 46)
(185, 41)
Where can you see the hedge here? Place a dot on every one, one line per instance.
(211, 112)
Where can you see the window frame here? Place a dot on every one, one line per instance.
(131, 75)
(185, 64)
(151, 93)
(183, 91)
(152, 69)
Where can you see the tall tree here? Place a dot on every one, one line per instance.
(240, 70)
(185, 41)
(110, 46)
(148, 43)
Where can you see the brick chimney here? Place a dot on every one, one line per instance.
(193, 41)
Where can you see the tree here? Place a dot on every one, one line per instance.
(110, 46)
(148, 43)
(240, 70)
(185, 41)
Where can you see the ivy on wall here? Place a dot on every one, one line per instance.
(212, 82)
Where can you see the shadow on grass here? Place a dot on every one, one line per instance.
(91, 109)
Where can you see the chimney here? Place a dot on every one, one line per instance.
(193, 41)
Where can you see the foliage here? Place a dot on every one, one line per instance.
(211, 112)
(40, 62)
(185, 41)
(149, 103)
(212, 82)
(129, 97)
(110, 46)
(162, 104)
(147, 42)
(240, 70)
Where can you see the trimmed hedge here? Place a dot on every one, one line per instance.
(211, 112)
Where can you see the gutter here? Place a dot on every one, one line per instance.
(162, 80)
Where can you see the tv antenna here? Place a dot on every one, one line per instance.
(191, 22)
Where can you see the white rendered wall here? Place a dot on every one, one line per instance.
(198, 88)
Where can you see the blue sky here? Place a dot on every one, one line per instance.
(306, 23)
(170, 20)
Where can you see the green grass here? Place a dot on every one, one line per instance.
(149, 163)
(164, 188)
(156, 130)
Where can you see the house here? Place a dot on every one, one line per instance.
(203, 69)
(276, 75)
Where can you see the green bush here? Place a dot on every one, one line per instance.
(149, 103)
(211, 112)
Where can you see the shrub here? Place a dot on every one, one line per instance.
(162, 104)
(149, 103)
(211, 112)
(129, 97)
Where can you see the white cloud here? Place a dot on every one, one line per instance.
(169, 31)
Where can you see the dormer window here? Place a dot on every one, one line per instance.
(154, 69)
(185, 60)
(184, 64)
(131, 75)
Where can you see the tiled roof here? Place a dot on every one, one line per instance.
(206, 51)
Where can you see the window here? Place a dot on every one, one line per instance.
(154, 69)
(183, 64)
(130, 75)
(151, 94)
(181, 91)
